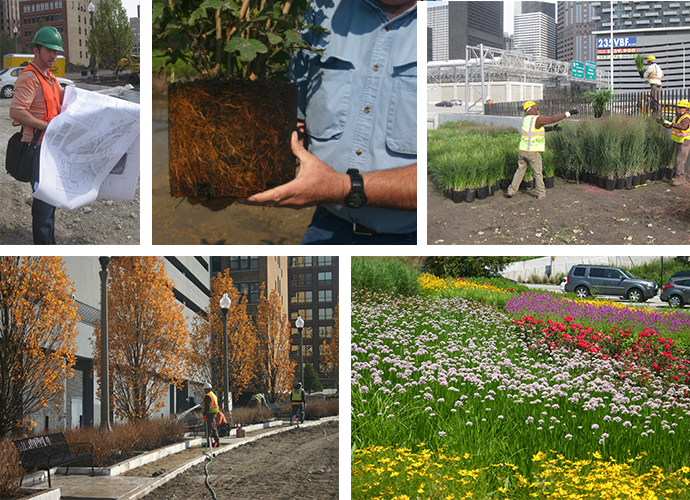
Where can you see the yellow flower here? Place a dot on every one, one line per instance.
(539, 456)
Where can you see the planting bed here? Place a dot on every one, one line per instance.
(570, 214)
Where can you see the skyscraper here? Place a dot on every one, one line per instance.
(458, 24)
(575, 26)
(535, 29)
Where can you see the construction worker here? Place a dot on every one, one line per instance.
(209, 409)
(532, 144)
(299, 401)
(680, 133)
(653, 76)
(258, 400)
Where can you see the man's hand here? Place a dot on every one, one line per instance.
(574, 111)
(316, 184)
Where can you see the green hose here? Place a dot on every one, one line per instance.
(210, 457)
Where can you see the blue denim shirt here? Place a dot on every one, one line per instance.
(359, 99)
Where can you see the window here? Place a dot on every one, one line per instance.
(300, 297)
(325, 313)
(243, 263)
(79, 19)
(325, 332)
(80, 34)
(300, 279)
(325, 295)
(305, 313)
(579, 271)
(251, 289)
(300, 261)
(326, 278)
(597, 272)
(325, 261)
(322, 350)
(308, 350)
(307, 333)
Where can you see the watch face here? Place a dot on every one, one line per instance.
(355, 200)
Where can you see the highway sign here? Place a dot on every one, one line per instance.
(590, 70)
(577, 69)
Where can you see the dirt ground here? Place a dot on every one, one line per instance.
(570, 214)
(299, 463)
(103, 222)
(176, 222)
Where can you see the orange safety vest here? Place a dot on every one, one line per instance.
(680, 136)
(51, 95)
(213, 407)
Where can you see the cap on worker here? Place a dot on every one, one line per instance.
(683, 104)
(48, 36)
(207, 386)
(651, 58)
(528, 105)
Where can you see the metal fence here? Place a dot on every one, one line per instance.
(629, 103)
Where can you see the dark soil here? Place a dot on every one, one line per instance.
(570, 214)
(300, 463)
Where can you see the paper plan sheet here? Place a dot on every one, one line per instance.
(90, 150)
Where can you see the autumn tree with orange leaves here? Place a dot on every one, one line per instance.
(329, 360)
(206, 340)
(277, 371)
(38, 331)
(148, 338)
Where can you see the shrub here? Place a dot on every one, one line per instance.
(384, 274)
(319, 408)
(10, 469)
(247, 416)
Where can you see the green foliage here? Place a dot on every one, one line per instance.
(461, 267)
(599, 99)
(311, 379)
(639, 61)
(7, 45)
(111, 37)
(384, 274)
(248, 39)
(652, 270)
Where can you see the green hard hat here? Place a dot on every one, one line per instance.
(48, 36)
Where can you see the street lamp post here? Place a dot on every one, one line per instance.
(105, 379)
(225, 303)
(92, 8)
(299, 323)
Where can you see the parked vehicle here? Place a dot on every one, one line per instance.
(585, 280)
(677, 290)
(456, 102)
(444, 104)
(8, 77)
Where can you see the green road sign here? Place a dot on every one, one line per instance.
(590, 70)
(577, 69)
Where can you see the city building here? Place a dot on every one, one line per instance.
(535, 29)
(574, 32)
(508, 42)
(80, 406)
(313, 288)
(9, 17)
(458, 24)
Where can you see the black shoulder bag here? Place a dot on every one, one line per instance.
(20, 156)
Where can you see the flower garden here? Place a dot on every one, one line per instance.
(538, 397)
(467, 159)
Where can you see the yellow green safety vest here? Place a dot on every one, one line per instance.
(297, 396)
(213, 407)
(533, 139)
(654, 77)
(677, 135)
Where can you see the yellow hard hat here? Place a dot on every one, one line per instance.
(528, 105)
(683, 104)
(651, 58)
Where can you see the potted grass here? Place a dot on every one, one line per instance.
(599, 100)
(548, 169)
(639, 63)
(229, 128)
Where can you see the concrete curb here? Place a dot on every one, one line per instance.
(145, 490)
(52, 494)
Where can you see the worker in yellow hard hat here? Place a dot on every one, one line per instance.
(680, 133)
(532, 144)
(653, 76)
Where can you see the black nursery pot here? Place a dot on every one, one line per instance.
(610, 184)
(628, 183)
(550, 182)
(620, 183)
(482, 192)
(585, 177)
(469, 195)
(504, 184)
(458, 196)
(526, 185)
(602, 182)
(655, 175)
(636, 180)
(448, 193)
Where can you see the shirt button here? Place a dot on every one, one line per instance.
(388, 28)
(359, 152)
(367, 110)
(376, 67)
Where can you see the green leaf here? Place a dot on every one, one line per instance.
(199, 13)
(157, 11)
(274, 39)
(248, 49)
(214, 4)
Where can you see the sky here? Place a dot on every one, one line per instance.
(131, 7)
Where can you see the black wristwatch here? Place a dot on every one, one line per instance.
(356, 198)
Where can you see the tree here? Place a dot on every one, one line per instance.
(147, 334)
(273, 328)
(465, 267)
(311, 379)
(329, 360)
(111, 35)
(38, 331)
(7, 44)
(206, 361)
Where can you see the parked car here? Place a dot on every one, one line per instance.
(681, 274)
(456, 102)
(8, 77)
(444, 104)
(677, 290)
(603, 280)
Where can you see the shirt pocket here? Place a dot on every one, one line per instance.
(328, 94)
(401, 135)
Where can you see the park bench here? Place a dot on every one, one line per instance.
(277, 411)
(193, 423)
(51, 450)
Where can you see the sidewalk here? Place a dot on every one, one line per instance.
(108, 484)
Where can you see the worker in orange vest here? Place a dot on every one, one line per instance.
(680, 133)
(210, 409)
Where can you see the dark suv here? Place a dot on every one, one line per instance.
(677, 290)
(603, 280)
